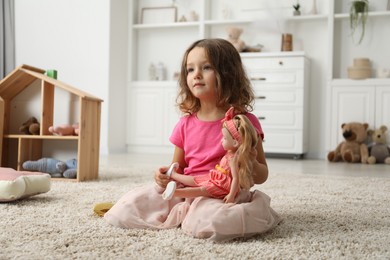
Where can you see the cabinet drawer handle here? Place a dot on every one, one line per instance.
(259, 78)
(261, 117)
(281, 63)
(261, 97)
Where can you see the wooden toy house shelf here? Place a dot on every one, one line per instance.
(30, 147)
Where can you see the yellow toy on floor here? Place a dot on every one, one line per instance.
(101, 208)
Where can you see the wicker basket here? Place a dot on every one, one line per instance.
(359, 73)
(361, 69)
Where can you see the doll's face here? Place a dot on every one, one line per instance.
(228, 142)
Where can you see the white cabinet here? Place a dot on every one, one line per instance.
(151, 116)
(363, 102)
(382, 107)
(280, 82)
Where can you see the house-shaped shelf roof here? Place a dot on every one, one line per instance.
(24, 75)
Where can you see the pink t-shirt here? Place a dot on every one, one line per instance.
(201, 142)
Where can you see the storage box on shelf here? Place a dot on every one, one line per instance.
(280, 82)
(16, 148)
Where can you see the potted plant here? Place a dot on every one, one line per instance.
(358, 15)
(296, 9)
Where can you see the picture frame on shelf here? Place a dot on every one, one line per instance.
(156, 15)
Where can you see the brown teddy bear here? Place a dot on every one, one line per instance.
(234, 34)
(353, 149)
(30, 127)
(379, 151)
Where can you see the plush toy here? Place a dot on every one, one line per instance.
(71, 169)
(353, 149)
(54, 167)
(379, 151)
(48, 165)
(30, 127)
(65, 129)
(234, 34)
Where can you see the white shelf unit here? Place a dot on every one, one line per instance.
(351, 100)
(152, 43)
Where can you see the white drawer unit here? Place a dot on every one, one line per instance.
(280, 82)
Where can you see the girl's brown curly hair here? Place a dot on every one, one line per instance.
(233, 86)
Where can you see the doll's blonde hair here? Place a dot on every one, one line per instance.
(244, 153)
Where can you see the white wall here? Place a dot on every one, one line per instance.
(74, 37)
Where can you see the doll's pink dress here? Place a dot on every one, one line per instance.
(219, 180)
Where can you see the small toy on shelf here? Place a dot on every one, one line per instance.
(30, 127)
(379, 151)
(65, 129)
(234, 34)
(54, 167)
(51, 166)
(353, 149)
(71, 169)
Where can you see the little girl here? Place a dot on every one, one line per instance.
(234, 170)
(212, 79)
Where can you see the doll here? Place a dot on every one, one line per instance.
(232, 173)
(65, 129)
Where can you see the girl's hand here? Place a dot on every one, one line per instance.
(160, 177)
(229, 198)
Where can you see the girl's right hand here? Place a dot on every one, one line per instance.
(160, 177)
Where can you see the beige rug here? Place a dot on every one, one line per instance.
(325, 217)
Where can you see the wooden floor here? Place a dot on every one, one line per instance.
(303, 166)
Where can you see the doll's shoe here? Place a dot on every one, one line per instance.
(169, 191)
(174, 167)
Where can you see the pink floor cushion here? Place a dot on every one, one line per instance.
(18, 184)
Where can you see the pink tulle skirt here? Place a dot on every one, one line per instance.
(202, 217)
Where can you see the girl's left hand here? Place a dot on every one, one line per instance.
(228, 198)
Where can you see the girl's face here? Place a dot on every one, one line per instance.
(201, 76)
(228, 143)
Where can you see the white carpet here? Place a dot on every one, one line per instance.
(325, 217)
